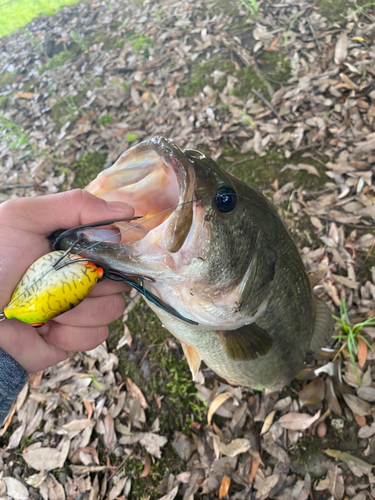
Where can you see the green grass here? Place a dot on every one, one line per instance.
(350, 334)
(13, 134)
(18, 13)
(252, 6)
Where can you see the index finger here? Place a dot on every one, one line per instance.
(45, 214)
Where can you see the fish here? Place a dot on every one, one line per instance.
(214, 249)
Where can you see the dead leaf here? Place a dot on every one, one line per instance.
(153, 442)
(15, 489)
(362, 353)
(47, 459)
(254, 469)
(171, 495)
(136, 393)
(25, 95)
(341, 48)
(216, 403)
(297, 421)
(224, 486)
(357, 405)
(347, 458)
(268, 422)
(367, 393)
(313, 392)
(147, 466)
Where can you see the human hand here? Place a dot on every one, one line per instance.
(25, 224)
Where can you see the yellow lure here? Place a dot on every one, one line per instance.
(45, 292)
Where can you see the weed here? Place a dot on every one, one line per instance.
(140, 41)
(252, 6)
(13, 134)
(350, 334)
(157, 13)
(78, 40)
(58, 60)
(105, 119)
(131, 136)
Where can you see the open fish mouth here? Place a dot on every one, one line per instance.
(155, 178)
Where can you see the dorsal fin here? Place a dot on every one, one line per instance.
(246, 343)
(323, 327)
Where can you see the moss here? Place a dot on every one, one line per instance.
(261, 171)
(108, 118)
(3, 101)
(7, 78)
(335, 10)
(275, 65)
(170, 374)
(87, 168)
(68, 107)
(61, 58)
(201, 74)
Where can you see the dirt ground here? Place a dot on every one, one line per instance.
(281, 95)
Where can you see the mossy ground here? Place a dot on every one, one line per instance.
(156, 364)
(273, 66)
(87, 168)
(335, 10)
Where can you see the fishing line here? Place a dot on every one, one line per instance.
(69, 256)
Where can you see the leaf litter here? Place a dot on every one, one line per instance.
(98, 78)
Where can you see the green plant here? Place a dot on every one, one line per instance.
(252, 6)
(140, 41)
(105, 119)
(78, 40)
(12, 133)
(131, 136)
(350, 334)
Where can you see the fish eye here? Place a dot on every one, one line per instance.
(225, 199)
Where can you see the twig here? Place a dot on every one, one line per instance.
(313, 33)
(356, 226)
(267, 103)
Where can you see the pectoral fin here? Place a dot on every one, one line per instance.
(324, 326)
(193, 359)
(246, 343)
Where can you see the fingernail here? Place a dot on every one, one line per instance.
(118, 206)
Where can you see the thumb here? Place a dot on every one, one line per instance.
(45, 214)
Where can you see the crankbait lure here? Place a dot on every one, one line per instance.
(52, 285)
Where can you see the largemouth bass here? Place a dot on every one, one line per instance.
(216, 250)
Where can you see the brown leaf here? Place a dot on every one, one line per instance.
(136, 392)
(25, 95)
(366, 393)
(297, 421)
(357, 405)
(147, 467)
(362, 352)
(216, 403)
(253, 469)
(312, 393)
(268, 422)
(360, 419)
(224, 486)
(333, 402)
